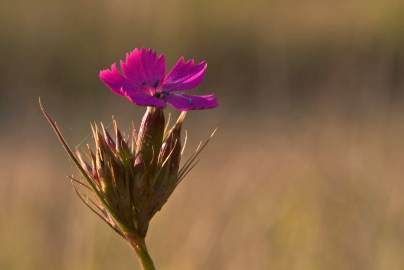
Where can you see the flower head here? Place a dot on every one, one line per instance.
(143, 80)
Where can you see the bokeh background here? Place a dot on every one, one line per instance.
(305, 172)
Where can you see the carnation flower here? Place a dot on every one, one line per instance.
(144, 81)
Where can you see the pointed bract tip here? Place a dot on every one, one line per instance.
(213, 132)
(181, 118)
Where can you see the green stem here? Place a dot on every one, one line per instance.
(139, 245)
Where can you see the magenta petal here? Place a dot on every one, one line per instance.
(185, 75)
(113, 79)
(146, 100)
(183, 102)
(154, 67)
(143, 68)
(143, 81)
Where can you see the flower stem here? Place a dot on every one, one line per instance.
(139, 245)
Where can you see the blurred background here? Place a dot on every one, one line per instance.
(306, 170)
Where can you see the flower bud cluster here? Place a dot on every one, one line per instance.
(128, 179)
(134, 177)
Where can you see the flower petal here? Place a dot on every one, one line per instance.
(154, 67)
(143, 68)
(146, 100)
(183, 102)
(185, 75)
(113, 79)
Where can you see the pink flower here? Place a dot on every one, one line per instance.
(144, 81)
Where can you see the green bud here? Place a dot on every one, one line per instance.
(168, 165)
(170, 154)
(121, 146)
(150, 138)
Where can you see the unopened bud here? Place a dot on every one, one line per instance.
(150, 138)
(170, 154)
(121, 146)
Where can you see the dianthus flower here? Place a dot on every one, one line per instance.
(144, 81)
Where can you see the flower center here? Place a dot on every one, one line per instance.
(162, 94)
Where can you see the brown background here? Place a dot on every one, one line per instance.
(306, 170)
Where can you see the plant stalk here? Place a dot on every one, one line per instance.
(139, 245)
